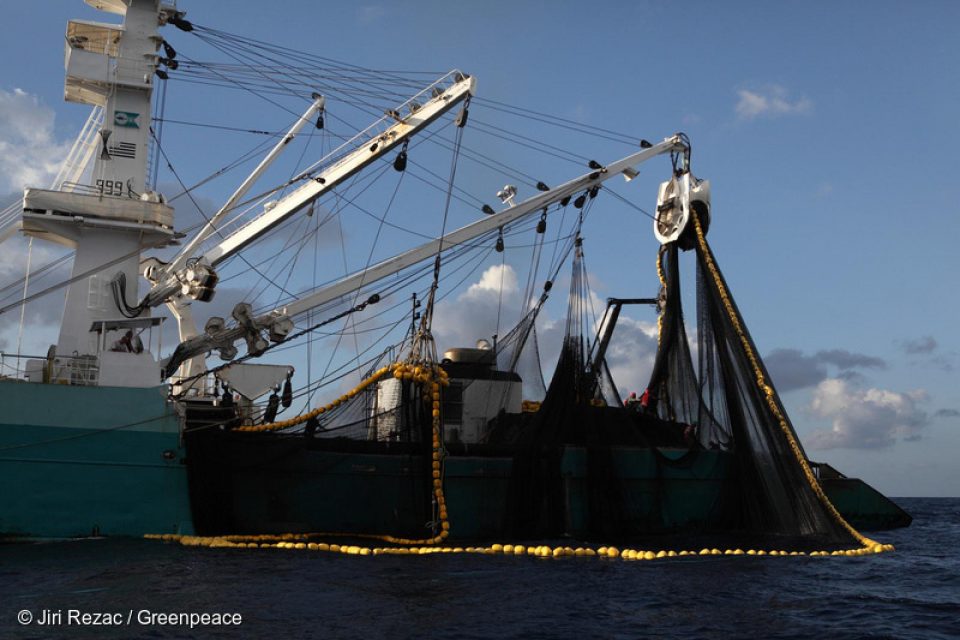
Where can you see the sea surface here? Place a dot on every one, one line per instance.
(912, 593)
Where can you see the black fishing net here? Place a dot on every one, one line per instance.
(774, 492)
(706, 450)
(725, 408)
(574, 412)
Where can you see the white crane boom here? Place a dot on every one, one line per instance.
(471, 231)
(211, 227)
(197, 280)
(279, 321)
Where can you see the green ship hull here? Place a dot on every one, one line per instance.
(254, 484)
(82, 461)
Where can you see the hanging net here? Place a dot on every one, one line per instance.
(724, 408)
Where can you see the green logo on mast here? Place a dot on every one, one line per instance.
(126, 119)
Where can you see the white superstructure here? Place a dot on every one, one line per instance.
(111, 220)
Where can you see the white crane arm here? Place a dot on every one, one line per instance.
(474, 230)
(197, 280)
(279, 321)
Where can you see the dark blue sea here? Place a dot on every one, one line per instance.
(912, 593)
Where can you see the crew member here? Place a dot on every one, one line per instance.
(124, 344)
(128, 343)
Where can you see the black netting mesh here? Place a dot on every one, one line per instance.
(775, 494)
(706, 407)
(726, 403)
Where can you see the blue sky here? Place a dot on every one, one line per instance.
(828, 130)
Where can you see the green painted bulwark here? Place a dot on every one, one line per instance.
(863, 506)
(90, 461)
(657, 491)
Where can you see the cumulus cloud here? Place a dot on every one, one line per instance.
(631, 353)
(30, 154)
(866, 418)
(42, 316)
(771, 101)
(792, 369)
(473, 314)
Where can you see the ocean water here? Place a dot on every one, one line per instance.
(912, 593)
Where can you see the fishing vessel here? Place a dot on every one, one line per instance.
(109, 433)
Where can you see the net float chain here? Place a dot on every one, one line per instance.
(398, 370)
(540, 551)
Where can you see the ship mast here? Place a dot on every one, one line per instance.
(111, 220)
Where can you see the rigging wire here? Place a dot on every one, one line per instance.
(537, 245)
(557, 121)
(569, 156)
(193, 200)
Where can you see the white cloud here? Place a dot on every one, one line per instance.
(631, 354)
(771, 101)
(30, 155)
(473, 314)
(866, 419)
(494, 279)
(42, 317)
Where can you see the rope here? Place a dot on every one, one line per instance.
(430, 377)
(771, 397)
(663, 288)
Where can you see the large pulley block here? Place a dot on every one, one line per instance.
(677, 199)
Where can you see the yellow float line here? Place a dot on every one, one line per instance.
(663, 286)
(429, 375)
(300, 419)
(540, 551)
(436, 377)
(770, 396)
